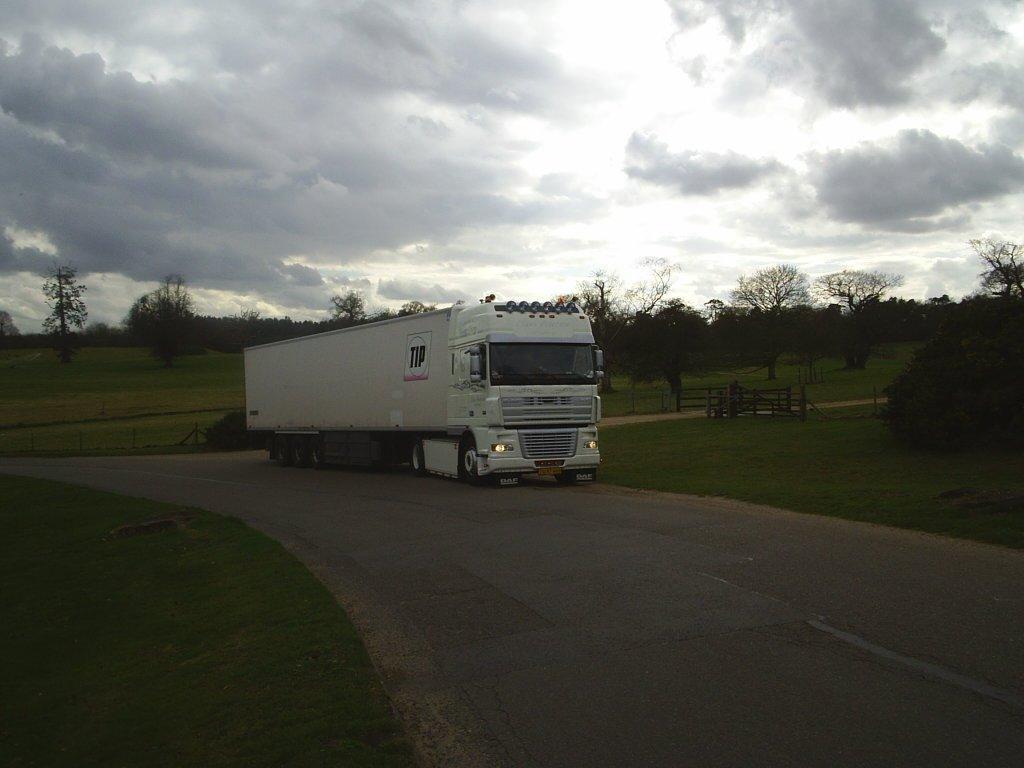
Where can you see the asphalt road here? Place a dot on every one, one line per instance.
(593, 627)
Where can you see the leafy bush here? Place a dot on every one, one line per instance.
(228, 433)
(966, 385)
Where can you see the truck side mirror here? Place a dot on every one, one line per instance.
(599, 363)
(475, 374)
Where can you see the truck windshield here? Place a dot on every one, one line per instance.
(542, 364)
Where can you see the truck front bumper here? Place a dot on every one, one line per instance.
(494, 463)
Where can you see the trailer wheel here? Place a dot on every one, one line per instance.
(467, 461)
(316, 453)
(282, 451)
(419, 464)
(300, 451)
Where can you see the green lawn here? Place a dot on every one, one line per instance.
(846, 466)
(105, 383)
(838, 384)
(199, 646)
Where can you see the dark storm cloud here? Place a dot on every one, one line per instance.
(77, 99)
(900, 184)
(692, 173)
(289, 134)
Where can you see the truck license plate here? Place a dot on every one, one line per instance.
(549, 470)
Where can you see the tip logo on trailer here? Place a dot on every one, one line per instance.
(417, 356)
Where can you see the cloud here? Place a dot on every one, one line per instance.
(408, 290)
(900, 183)
(222, 178)
(863, 52)
(690, 172)
(993, 80)
(850, 52)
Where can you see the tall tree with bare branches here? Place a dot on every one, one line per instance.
(611, 306)
(67, 309)
(858, 294)
(1004, 267)
(769, 295)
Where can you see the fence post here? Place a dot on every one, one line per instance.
(874, 396)
(632, 395)
(733, 394)
(803, 402)
(679, 400)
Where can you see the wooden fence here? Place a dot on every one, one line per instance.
(725, 401)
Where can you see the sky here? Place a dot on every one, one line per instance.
(277, 152)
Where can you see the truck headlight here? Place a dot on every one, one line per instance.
(502, 447)
(591, 444)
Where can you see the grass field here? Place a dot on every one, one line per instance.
(109, 400)
(203, 645)
(105, 383)
(847, 466)
(838, 384)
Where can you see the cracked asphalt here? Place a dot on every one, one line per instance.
(550, 626)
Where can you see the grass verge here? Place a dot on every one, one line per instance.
(844, 467)
(203, 644)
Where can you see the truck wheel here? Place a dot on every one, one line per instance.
(300, 451)
(282, 451)
(467, 461)
(316, 453)
(419, 464)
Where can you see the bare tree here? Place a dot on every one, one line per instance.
(858, 293)
(67, 309)
(856, 289)
(611, 307)
(7, 326)
(1004, 267)
(773, 290)
(349, 307)
(768, 295)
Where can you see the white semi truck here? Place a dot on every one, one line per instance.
(486, 391)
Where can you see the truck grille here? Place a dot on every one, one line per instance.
(551, 408)
(548, 443)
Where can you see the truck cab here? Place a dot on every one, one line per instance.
(523, 395)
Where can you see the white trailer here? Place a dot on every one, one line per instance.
(488, 390)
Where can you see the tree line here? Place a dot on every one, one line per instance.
(770, 313)
(166, 321)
